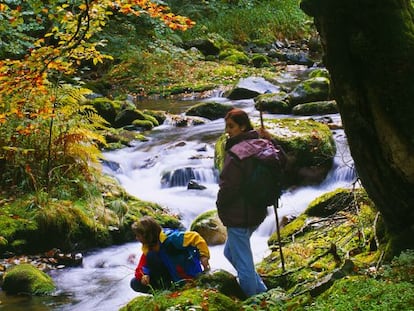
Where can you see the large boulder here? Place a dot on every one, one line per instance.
(316, 108)
(310, 90)
(251, 87)
(309, 145)
(205, 46)
(210, 227)
(209, 110)
(273, 102)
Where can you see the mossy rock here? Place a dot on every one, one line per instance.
(272, 102)
(210, 227)
(330, 203)
(223, 281)
(335, 201)
(315, 247)
(260, 60)
(152, 119)
(189, 299)
(309, 141)
(159, 115)
(106, 108)
(27, 279)
(316, 108)
(319, 72)
(127, 116)
(118, 138)
(145, 125)
(219, 152)
(310, 90)
(234, 56)
(209, 110)
(309, 144)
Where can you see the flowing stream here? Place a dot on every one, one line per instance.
(102, 282)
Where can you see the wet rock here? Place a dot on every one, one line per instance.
(251, 87)
(209, 110)
(194, 185)
(210, 227)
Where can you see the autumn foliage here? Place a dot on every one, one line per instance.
(47, 131)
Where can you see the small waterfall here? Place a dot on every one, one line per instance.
(182, 176)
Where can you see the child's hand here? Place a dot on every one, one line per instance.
(204, 263)
(145, 280)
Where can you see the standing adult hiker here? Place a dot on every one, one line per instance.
(237, 212)
(168, 256)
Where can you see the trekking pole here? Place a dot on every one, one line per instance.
(282, 259)
(261, 117)
(275, 207)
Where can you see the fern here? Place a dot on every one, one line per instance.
(51, 141)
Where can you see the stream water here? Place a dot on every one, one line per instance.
(102, 282)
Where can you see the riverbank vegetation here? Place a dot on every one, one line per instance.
(53, 57)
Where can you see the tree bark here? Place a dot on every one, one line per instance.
(369, 52)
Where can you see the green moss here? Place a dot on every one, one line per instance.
(202, 217)
(330, 202)
(260, 60)
(312, 142)
(320, 72)
(219, 152)
(309, 142)
(151, 119)
(209, 110)
(144, 124)
(314, 247)
(225, 70)
(190, 299)
(158, 115)
(25, 278)
(234, 56)
(16, 223)
(291, 228)
(3, 242)
(371, 295)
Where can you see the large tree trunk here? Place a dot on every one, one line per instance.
(369, 52)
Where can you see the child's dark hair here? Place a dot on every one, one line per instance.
(148, 229)
(240, 117)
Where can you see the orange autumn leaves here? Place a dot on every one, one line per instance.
(64, 45)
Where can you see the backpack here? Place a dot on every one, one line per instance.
(264, 185)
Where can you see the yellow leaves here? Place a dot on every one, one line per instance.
(24, 151)
(137, 7)
(83, 7)
(3, 7)
(25, 130)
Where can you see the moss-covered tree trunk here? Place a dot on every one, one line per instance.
(369, 52)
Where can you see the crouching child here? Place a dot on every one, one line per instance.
(168, 256)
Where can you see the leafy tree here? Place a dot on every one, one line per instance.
(369, 48)
(47, 132)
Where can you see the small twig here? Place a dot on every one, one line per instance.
(380, 260)
(375, 230)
